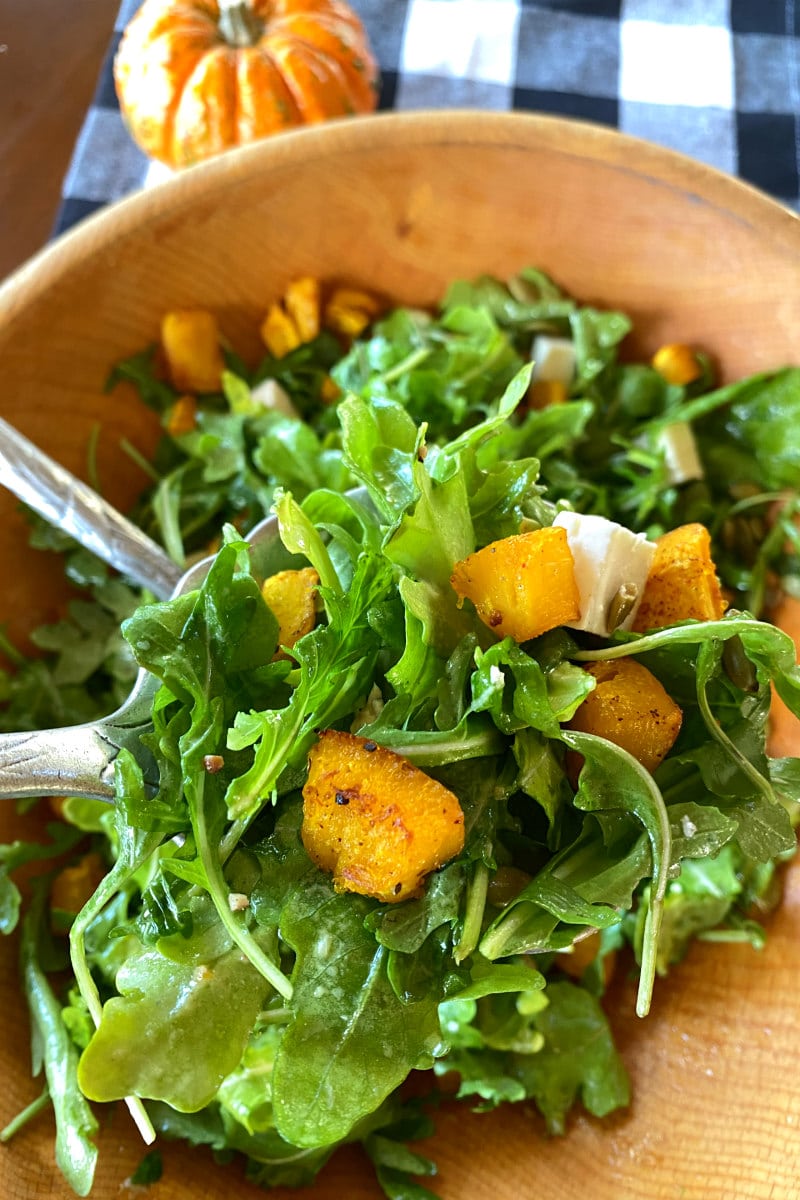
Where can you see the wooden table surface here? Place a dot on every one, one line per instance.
(48, 69)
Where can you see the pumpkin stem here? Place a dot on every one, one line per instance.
(238, 24)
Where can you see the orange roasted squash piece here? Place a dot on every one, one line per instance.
(374, 820)
(190, 339)
(291, 595)
(73, 887)
(682, 583)
(630, 708)
(523, 585)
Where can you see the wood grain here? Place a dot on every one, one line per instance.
(407, 203)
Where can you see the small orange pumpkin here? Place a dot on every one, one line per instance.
(195, 77)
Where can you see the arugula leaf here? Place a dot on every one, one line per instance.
(492, 979)
(537, 699)
(595, 872)
(611, 778)
(336, 667)
(149, 1170)
(351, 1041)
(178, 1025)
(208, 648)
(16, 854)
(697, 901)
(760, 414)
(406, 926)
(577, 1057)
(76, 1153)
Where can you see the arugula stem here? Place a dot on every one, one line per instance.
(165, 509)
(28, 1113)
(483, 367)
(75, 1152)
(218, 892)
(91, 458)
(108, 888)
(759, 781)
(408, 363)
(11, 652)
(436, 749)
(299, 536)
(495, 939)
(655, 911)
(232, 838)
(473, 919)
(274, 1016)
(647, 970)
(673, 636)
(143, 463)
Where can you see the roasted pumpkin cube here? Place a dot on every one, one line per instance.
(677, 363)
(682, 583)
(630, 708)
(329, 391)
(349, 311)
(74, 886)
(279, 332)
(182, 417)
(784, 735)
(191, 343)
(544, 392)
(291, 595)
(582, 953)
(522, 585)
(374, 820)
(303, 306)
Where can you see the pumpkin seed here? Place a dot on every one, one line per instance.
(621, 605)
(738, 667)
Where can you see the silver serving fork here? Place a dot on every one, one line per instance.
(78, 760)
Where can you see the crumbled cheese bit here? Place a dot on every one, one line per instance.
(553, 359)
(237, 901)
(677, 443)
(607, 557)
(270, 395)
(496, 677)
(369, 711)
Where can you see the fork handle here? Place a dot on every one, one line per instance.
(74, 761)
(71, 505)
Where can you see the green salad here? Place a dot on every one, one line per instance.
(230, 977)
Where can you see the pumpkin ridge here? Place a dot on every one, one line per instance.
(194, 40)
(252, 116)
(332, 97)
(214, 127)
(346, 51)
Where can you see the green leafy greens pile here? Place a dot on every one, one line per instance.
(216, 980)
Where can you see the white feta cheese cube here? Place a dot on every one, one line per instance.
(607, 557)
(553, 359)
(269, 394)
(678, 445)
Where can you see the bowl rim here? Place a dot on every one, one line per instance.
(526, 130)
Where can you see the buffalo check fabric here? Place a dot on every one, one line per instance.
(716, 79)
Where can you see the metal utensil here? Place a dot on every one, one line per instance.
(78, 760)
(69, 504)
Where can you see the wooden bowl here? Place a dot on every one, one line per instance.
(406, 203)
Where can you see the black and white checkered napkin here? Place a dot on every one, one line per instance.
(716, 79)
